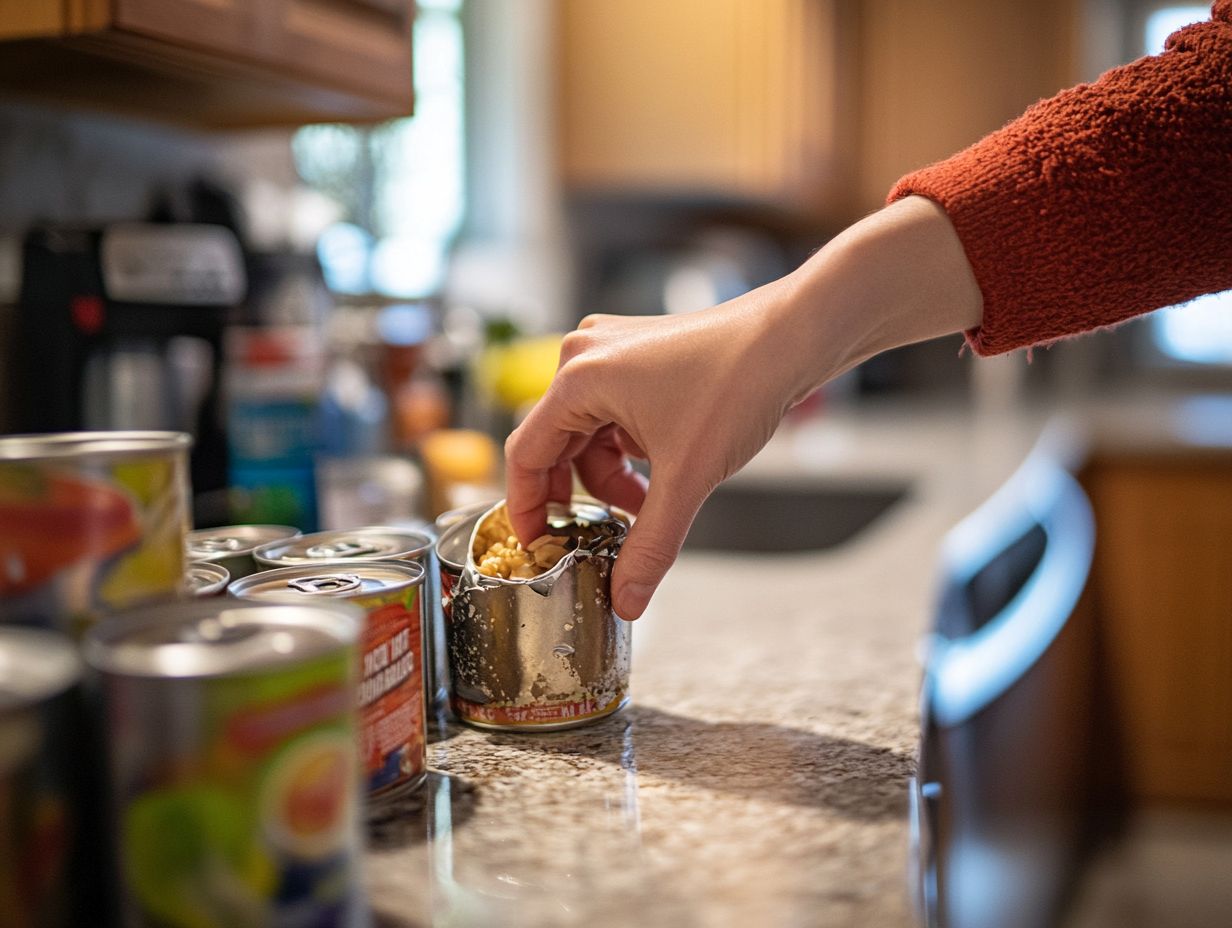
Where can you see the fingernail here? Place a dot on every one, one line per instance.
(634, 598)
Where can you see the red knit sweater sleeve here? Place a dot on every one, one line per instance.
(1108, 200)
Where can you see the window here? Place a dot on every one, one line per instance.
(1199, 331)
(400, 184)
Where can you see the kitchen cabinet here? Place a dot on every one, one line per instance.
(731, 99)
(936, 77)
(814, 105)
(1162, 565)
(213, 63)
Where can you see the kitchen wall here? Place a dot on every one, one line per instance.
(65, 166)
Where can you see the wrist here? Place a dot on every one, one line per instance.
(896, 277)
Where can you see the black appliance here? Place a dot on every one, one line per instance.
(122, 328)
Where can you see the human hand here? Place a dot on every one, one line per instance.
(697, 395)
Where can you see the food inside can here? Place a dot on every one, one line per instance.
(498, 553)
(393, 725)
(231, 751)
(544, 651)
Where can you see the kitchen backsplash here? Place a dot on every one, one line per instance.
(65, 166)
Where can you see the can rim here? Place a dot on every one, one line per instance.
(194, 537)
(56, 445)
(243, 587)
(108, 646)
(264, 553)
(218, 582)
(46, 665)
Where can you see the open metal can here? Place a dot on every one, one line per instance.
(90, 522)
(231, 547)
(379, 543)
(231, 739)
(393, 726)
(452, 545)
(544, 653)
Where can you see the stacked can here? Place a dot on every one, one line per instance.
(380, 543)
(393, 726)
(231, 751)
(90, 522)
(231, 547)
(40, 827)
(205, 579)
(543, 653)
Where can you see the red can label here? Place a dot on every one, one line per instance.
(532, 715)
(391, 706)
(448, 579)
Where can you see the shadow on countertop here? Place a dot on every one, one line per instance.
(757, 760)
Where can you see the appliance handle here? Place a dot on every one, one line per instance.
(964, 675)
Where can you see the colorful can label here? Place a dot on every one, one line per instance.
(235, 798)
(391, 703)
(90, 522)
(46, 868)
(393, 722)
(564, 713)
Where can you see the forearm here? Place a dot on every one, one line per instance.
(896, 277)
(1106, 201)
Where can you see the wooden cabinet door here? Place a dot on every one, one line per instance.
(233, 27)
(1163, 574)
(710, 97)
(359, 45)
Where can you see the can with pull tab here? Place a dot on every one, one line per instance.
(391, 702)
(380, 543)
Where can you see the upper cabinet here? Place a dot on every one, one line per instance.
(816, 105)
(936, 77)
(213, 63)
(740, 99)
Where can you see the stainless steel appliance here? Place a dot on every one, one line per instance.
(121, 328)
(1005, 806)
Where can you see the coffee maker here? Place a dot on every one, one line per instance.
(122, 328)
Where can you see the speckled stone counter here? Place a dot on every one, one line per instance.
(760, 776)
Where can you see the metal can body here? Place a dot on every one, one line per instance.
(231, 547)
(541, 654)
(393, 726)
(40, 828)
(380, 543)
(231, 751)
(204, 579)
(90, 522)
(451, 549)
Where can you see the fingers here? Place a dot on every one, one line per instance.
(606, 474)
(628, 445)
(533, 454)
(653, 544)
(560, 482)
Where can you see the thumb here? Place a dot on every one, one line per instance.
(653, 543)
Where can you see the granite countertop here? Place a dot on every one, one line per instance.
(760, 775)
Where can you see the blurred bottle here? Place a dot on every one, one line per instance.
(354, 414)
(418, 397)
(462, 466)
(273, 381)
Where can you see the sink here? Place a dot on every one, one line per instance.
(778, 518)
